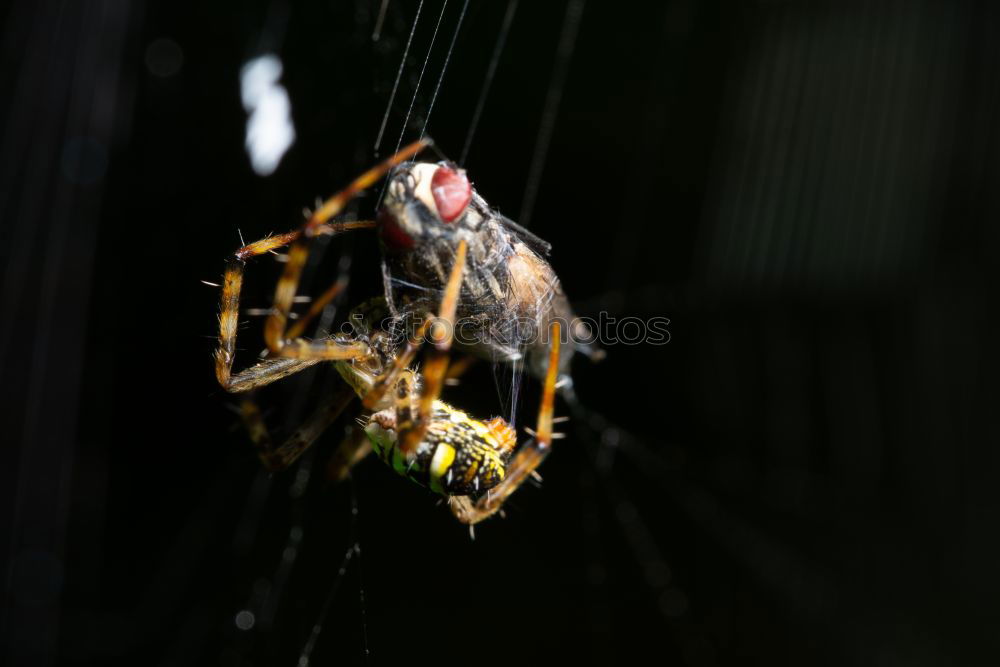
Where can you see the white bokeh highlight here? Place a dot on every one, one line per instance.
(269, 124)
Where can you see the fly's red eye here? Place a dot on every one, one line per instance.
(452, 192)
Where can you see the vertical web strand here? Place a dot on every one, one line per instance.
(377, 32)
(361, 572)
(353, 551)
(318, 625)
(420, 77)
(444, 68)
(416, 89)
(399, 74)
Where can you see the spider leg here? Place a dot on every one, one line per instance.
(457, 369)
(317, 306)
(261, 374)
(276, 327)
(268, 370)
(400, 365)
(441, 333)
(527, 459)
(279, 342)
(279, 458)
(270, 243)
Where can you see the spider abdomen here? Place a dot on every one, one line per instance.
(459, 455)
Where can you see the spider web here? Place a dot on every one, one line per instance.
(600, 437)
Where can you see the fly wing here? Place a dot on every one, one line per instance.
(539, 245)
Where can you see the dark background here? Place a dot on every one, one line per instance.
(804, 475)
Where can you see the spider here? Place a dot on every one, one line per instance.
(471, 462)
(509, 296)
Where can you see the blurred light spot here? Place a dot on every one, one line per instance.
(84, 160)
(36, 578)
(300, 485)
(673, 603)
(164, 57)
(245, 619)
(269, 125)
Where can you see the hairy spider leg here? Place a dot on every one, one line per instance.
(436, 360)
(275, 335)
(297, 352)
(527, 459)
(269, 370)
(279, 458)
(317, 306)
